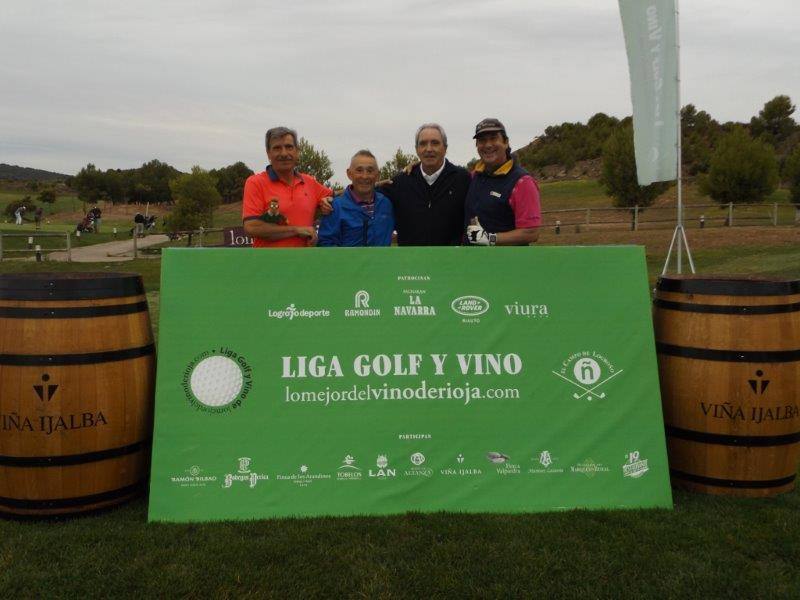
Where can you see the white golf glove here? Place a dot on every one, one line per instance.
(478, 236)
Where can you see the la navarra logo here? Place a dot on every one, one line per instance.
(588, 372)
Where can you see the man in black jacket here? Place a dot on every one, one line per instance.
(428, 201)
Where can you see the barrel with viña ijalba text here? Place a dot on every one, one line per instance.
(729, 366)
(77, 364)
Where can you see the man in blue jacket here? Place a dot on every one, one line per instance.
(361, 216)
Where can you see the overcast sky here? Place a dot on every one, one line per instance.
(198, 82)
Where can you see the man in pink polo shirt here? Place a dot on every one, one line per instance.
(280, 203)
(502, 206)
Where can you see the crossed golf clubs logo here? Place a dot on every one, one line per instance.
(587, 372)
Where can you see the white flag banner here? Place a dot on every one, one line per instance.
(651, 44)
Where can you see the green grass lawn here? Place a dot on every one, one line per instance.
(707, 547)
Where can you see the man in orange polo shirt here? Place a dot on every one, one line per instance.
(297, 195)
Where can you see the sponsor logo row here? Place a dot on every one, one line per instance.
(470, 307)
(544, 462)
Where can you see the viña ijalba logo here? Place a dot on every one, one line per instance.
(634, 466)
(589, 372)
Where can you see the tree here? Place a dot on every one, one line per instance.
(314, 162)
(742, 169)
(699, 133)
(155, 178)
(47, 196)
(89, 185)
(774, 122)
(196, 196)
(399, 161)
(230, 181)
(618, 174)
(791, 172)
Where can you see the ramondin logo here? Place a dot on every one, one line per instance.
(217, 380)
(292, 312)
(469, 306)
(589, 371)
(362, 308)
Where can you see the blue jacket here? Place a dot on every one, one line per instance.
(349, 225)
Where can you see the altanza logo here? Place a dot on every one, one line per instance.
(292, 312)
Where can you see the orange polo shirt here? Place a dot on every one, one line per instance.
(297, 202)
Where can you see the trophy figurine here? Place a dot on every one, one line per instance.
(273, 215)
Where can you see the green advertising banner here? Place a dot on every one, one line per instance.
(651, 43)
(371, 381)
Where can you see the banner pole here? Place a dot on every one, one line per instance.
(679, 235)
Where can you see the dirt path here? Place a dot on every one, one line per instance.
(110, 251)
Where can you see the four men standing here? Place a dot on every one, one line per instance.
(433, 203)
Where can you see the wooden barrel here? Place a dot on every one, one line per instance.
(77, 364)
(729, 363)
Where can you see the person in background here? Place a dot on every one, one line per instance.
(361, 216)
(138, 225)
(298, 196)
(96, 214)
(18, 214)
(502, 207)
(37, 217)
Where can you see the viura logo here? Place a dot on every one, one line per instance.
(589, 372)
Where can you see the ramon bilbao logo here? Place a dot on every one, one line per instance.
(589, 372)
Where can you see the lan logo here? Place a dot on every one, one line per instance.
(45, 392)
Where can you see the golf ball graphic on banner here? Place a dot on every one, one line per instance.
(217, 381)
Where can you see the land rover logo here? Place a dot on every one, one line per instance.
(469, 306)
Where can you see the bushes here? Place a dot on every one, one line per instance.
(741, 170)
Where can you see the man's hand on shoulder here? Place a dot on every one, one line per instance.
(325, 206)
(410, 167)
